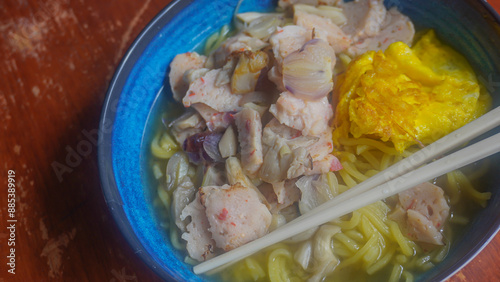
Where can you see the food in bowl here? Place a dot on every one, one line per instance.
(293, 109)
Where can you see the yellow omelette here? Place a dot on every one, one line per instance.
(408, 95)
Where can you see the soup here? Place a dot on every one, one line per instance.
(261, 130)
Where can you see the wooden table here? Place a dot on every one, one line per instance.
(58, 57)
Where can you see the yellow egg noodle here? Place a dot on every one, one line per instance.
(366, 244)
(368, 240)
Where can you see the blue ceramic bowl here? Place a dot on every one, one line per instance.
(136, 94)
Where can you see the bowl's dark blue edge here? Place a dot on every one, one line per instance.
(111, 194)
(493, 230)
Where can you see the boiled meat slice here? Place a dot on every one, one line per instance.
(200, 244)
(309, 117)
(324, 29)
(250, 138)
(203, 90)
(235, 213)
(422, 212)
(180, 64)
(287, 40)
(396, 27)
(364, 18)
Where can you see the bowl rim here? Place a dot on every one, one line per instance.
(109, 186)
(104, 149)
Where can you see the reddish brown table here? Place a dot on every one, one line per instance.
(58, 57)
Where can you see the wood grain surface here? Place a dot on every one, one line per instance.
(58, 57)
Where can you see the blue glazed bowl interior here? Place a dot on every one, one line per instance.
(139, 93)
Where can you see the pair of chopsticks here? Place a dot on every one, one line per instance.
(399, 177)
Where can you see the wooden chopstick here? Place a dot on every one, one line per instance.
(396, 179)
(447, 143)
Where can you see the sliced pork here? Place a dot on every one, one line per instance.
(325, 29)
(235, 213)
(250, 138)
(203, 90)
(422, 212)
(372, 27)
(287, 40)
(364, 18)
(180, 64)
(309, 117)
(200, 244)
